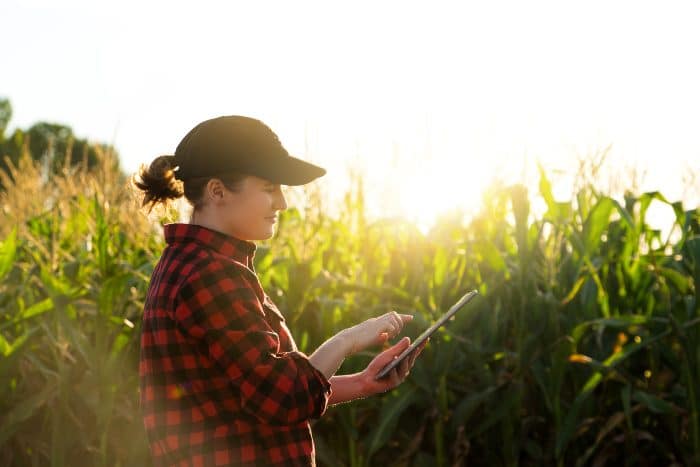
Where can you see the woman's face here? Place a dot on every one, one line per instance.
(251, 212)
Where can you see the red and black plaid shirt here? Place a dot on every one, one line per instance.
(222, 382)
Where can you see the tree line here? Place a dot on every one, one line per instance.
(52, 144)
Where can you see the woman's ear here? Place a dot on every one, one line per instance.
(215, 190)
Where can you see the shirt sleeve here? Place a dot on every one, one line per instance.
(219, 306)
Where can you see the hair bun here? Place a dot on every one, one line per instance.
(159, 181)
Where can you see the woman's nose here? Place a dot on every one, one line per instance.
(280, 202)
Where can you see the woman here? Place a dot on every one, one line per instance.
(222, 381)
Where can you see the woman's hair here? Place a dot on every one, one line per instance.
(159, 184)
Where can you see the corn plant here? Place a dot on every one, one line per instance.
(582, 348)
(72, 285)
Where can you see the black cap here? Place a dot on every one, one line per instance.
(234, 143)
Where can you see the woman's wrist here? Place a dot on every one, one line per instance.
(346, 341)
(330, 355)
(348, 388)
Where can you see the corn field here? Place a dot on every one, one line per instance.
(582, 349)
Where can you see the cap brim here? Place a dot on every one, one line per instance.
(292, 171)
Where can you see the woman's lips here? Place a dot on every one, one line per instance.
(272, 219)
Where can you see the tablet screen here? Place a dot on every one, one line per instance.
(427, 333)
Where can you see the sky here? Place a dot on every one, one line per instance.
(432, 101)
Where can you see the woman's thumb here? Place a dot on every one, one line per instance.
(392, 352)
(401, 345)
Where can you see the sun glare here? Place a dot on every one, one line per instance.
(429, 101)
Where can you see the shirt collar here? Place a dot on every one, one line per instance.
(242, 251)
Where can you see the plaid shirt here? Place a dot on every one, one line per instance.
(222, 382)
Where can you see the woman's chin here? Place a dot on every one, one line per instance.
(267, 233)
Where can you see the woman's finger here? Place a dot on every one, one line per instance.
(394, 378)
(405, 368)
(391, 322)
(414, 355)
(390, 328)
(411, 358)
(399, 319)
(420, 348)
(405, 318)
(398, 322)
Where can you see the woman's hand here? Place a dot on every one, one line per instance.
(396, 376)
(330, 355)
(375, 331)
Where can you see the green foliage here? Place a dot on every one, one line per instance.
(5, 116)
(583, 348)
(52, 144)
(71, 296)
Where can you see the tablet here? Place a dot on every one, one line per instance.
(427, 333)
